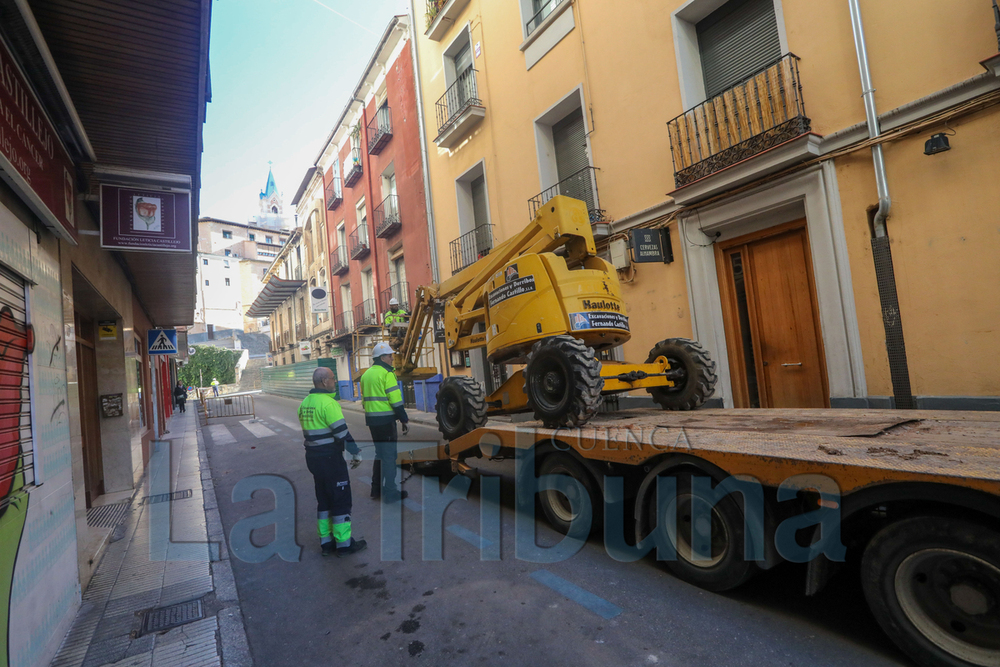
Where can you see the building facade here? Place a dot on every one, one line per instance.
(83, 400)
(735, 133)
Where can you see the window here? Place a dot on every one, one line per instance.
(267, 239)
(227, 282)
(225, 263)
(205, 262)
(206, 282)
(274, 209)
(228, 252)
(226, 234)
(252, 237)
(473, 203)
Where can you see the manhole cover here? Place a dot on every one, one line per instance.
(168, 497)
(164, 618)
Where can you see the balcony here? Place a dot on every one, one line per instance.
(343, 324)
(334, 195)
(366, 314)
(458, 110)
(758, 113)
(583, 186)
(470, 247)
(400, 292)
(338, 261)
(386, 217)
(379, 130)
(441, 15)
(358, 241)
(354, 174)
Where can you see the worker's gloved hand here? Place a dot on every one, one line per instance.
(406, 429)
(355, 460)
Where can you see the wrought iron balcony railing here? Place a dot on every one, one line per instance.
(470, 247)
(343, 324)
(460, 95)
(359, 242)
(354, 173)
(334, 194)
(398, 291)
(338, 260)
(386, 217)
(379, 130)
(758, 113)
(366, 314)
(582, 185)
(542, 14)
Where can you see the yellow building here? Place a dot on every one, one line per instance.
(740, 129)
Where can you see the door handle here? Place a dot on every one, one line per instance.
(796, 364)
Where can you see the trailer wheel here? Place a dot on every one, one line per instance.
(563, 381)
(558, 506)
(461, 406)
(692, 371)
(933, 584)
(721, 538)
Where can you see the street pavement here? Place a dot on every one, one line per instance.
(371, 609)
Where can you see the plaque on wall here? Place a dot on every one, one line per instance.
(112, 405)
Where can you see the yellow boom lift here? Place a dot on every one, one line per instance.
(546, 300)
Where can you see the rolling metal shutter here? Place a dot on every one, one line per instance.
(736, 40)
(570, 138)
(16, 453)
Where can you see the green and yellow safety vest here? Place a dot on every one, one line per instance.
(399, 316)
(383, 398)
(323, 425)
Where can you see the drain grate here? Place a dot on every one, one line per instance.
(168, 497)
(107, 516)
(172, 616)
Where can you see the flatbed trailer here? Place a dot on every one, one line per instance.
(915, 496)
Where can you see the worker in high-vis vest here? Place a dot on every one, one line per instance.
(383, 401)
(326, 437)
(395, 314)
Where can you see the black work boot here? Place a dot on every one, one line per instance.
(329, 548)
(354, 547)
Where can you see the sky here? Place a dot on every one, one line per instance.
(282, 73)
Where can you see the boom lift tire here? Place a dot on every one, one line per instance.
(461, 406)
(563, 381)
(723, 539)
(695, 374)
(933, 584)
(557, 506)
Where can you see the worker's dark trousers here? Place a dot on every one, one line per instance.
(333, 492)
(384, 468)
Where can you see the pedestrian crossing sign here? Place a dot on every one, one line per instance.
(162, 341)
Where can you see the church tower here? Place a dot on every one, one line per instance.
(272, 207)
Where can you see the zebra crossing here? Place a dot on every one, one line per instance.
(222, 434)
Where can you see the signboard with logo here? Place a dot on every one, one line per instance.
(598, 320)
(32, 158)
(320, 300)
(162, 341)
(440, 335)
(651, 245)
(305, 347)
(108, 330)
(147, 220)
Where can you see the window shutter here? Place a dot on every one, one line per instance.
(570, 138)
(736, 40)
(16, 454)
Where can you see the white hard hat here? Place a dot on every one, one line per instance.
(393, 301)
(380, 349)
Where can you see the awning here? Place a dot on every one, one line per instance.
(275, 292)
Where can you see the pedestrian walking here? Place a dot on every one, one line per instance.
(215, 387)
(180, 396)
(383, 402)
(326, 437)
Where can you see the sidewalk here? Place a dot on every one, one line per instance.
(153, 602)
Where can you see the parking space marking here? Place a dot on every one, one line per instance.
(571, 591)
(472, 538)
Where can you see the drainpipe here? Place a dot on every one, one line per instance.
(881, 251)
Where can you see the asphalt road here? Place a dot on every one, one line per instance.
(370, 609)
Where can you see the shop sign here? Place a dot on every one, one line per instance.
(652, 245)
(145, 219)
(305, 347)
(320, 300)
(32, 158)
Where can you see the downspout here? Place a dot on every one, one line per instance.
(881, 250)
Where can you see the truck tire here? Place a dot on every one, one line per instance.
(696, 371)
(726, 567)
(557, 507)
(563, 381)
(933, 584)
(461, 406)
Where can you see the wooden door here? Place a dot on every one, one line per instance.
(90, 424)
(772, 322)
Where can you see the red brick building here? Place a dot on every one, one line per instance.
(376, 201)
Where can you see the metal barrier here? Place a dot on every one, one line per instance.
(218, 407)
